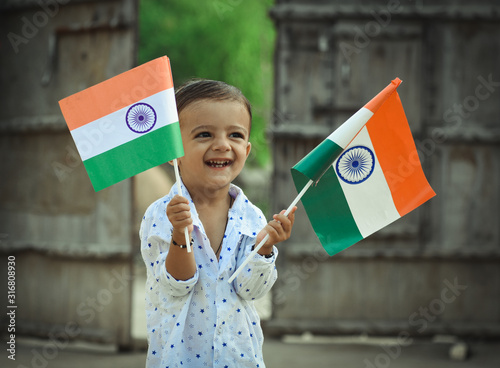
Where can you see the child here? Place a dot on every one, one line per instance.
(195, 318)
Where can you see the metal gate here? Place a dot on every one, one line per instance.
(436, 270)
(72, 246)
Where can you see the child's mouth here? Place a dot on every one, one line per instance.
(218, 164)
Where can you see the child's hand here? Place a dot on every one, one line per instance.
(278, 229)
(179, 214)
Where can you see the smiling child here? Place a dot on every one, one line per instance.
(195, 318)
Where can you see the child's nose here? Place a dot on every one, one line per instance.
(221, 144)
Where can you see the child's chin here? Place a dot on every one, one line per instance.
(222, 177)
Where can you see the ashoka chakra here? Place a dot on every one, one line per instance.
(355, 165)
(141, 117)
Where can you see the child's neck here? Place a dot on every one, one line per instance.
(204, 198)
(212, 208)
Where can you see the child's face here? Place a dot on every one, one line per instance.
(215, 137)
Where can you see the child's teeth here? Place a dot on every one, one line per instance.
(218, 163)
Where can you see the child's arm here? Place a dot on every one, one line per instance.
(179, 263)
(278, 229)
(261, 272)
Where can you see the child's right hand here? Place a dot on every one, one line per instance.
(179, 215)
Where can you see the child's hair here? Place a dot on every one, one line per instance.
(206, 89)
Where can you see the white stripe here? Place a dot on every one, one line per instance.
(370, 201)
(345, 133)
(112, 130)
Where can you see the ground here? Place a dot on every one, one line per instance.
(277, 353)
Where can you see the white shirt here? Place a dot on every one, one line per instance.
(205, 321)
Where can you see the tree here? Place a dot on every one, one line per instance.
(228, 40)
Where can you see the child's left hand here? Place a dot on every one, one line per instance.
(278, 229)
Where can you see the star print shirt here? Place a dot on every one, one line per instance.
(205, 321)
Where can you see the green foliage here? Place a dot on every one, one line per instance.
(228, 40)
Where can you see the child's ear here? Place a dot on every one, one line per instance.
(249, 148)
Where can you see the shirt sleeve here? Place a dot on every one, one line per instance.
(155, 243)
(259, 275)
(165, 283)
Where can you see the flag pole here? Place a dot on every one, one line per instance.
(179, 189)
(263, 241)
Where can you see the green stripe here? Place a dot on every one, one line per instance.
(129, 159)
(319, 159)
(329, 213)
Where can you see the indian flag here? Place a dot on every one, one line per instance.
(126, 124)
(375, 178)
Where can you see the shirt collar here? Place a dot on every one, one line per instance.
(245, 215)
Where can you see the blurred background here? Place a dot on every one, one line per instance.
(423, 291)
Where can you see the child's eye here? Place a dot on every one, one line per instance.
(237, 135)
(203, 135)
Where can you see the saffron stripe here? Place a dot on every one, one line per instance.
(122, 162)
(399, 158)
(377, 101)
